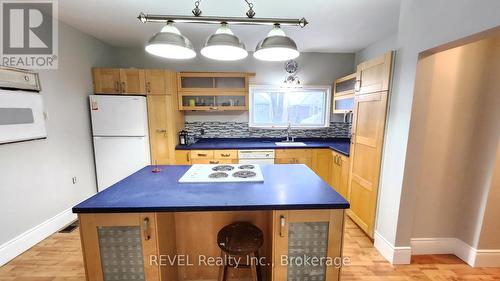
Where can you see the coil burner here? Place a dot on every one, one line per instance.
(246, 167)
(244, 174)
(218, 175)
(223, 168)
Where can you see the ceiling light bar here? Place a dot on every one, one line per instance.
(144, 18)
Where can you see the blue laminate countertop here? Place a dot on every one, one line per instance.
(285, 187)
(340, 145)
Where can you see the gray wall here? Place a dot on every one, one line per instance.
(314, 69)
(36, 175)
(422, 25)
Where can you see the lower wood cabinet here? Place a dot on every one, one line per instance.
(294, 156)
(322, 164)
(118, 246)
(298, 234)
(183, 157)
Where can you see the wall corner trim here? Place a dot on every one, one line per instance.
(16, 246)
(395, 255)
(470, 255)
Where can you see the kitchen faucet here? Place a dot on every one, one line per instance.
(288, 132)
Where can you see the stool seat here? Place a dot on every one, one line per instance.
(240, 238)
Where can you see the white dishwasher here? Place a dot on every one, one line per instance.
(256, 156)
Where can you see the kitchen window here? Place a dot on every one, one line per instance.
(275, 107)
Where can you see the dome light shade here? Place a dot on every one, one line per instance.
(276, 47)
(224, 45)
(170, 43)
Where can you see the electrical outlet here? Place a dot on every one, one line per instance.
(74, 180)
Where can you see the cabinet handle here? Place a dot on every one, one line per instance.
(124, 86)
(214, 162)
(282, 225)
(202, 154)
(148, 87)
(357, 86)
(161, 131)
(339, 160)
(146, 233)
(117, 86)
(187, 157)
(214, 108)
(225, 155)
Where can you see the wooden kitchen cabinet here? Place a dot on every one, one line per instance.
(165, 122)
(133, 81)
(314, 233)
(340, 174)
(322, 164)
(130, 81)
(106, 80)
(183, 157)
(343, 95)
(374, 75)
(294, 156)
(368, 125)
(118, 246)
(155, 82)
(214, 156)
(214, 91)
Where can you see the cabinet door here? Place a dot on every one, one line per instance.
(133, 81)
(311, 233)
(374, 75)
(161, 136)
(285, 161)
(155, 82)
(106, 80)
(366, 150)
(340, 174)
(183, 157)
(322, 163)
(214, 161)
(344, 175)
(119, 246)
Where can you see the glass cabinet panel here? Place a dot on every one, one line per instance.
(197, 82)
(344, 104)
(121, 252)
(346, 85)
(230, 100)
(307, 239)
(193, 101)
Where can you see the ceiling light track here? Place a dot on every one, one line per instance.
(218, 20)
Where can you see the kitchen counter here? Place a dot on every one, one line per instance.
(285, 187)
(341, 145)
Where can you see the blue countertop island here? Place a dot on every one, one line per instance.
(285, 187)
(340, 145)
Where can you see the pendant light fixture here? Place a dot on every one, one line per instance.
(224, 45)
(170, 43)
(276, 46)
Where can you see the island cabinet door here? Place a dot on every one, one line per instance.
(307, 245)
(119, 246)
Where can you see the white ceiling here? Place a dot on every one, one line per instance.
(334, 25)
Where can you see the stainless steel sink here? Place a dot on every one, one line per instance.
(289, 143)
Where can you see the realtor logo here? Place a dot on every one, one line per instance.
(29, 34)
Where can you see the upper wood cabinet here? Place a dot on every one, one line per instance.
(343, 94)
(130, 81)
(106, 80)
(213, 91)
(374, 75)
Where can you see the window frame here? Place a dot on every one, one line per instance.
(328, 106)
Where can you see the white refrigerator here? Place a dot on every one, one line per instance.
(120, 135)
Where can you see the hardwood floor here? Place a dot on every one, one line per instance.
(59, 258)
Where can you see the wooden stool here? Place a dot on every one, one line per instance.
(238, 240)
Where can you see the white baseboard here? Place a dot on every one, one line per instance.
(395, 255)
(28, 239)
(457, 247)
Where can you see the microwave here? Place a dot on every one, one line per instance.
(22, 115)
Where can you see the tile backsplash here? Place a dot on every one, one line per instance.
(219, 129)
